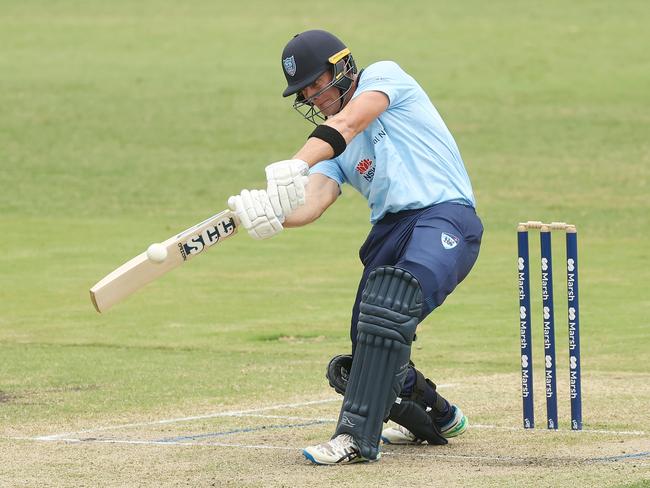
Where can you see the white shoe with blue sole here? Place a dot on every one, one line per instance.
(343, 449)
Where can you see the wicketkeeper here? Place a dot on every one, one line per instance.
(377, 130)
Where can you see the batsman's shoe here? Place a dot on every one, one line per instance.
(457, 425)
(402, 436)
(341, 450)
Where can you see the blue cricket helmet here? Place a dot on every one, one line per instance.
(309, 54)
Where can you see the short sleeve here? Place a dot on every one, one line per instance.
(331, 169)
(386, 77)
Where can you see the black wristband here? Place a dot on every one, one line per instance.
(331, 136)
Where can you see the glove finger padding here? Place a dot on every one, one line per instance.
(300, 189)
(274, 198)
(338, 372)
(251, 205)
(255, 213)
(284, 197)
(236, 204)
(286, 185)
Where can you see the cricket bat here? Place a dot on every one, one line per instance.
(136, 273)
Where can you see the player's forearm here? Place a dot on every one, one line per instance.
(318, 200)
(314, 151)
(303, 216)
(321, 192)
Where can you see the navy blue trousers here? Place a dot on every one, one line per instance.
(438, 245)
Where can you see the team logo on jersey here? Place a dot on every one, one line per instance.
(289, 65)
(449, 241)
(366, 169)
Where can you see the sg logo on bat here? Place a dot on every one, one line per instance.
(208, 237)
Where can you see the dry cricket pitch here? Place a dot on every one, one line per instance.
(261, 446)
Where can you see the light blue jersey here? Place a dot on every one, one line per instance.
(406, 158)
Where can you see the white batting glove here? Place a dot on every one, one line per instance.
(255, 212)
(286, 185)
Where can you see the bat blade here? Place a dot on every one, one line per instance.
(139, 271)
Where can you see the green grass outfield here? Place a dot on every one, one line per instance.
(122, 123)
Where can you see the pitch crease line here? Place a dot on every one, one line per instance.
(234, 413)
(641, 455)
(624, 457)
(244, 430)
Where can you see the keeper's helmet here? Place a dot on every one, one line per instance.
(306, 57)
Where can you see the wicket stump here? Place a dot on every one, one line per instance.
(525, 323)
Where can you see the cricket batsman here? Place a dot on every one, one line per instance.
(377, 130)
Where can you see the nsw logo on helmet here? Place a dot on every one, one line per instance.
(289, 65)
